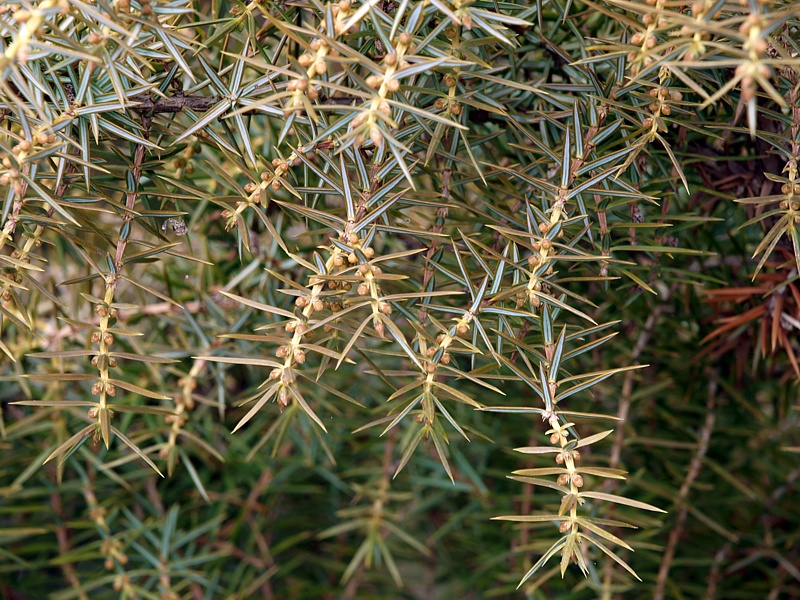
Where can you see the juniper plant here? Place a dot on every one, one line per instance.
(374, 241)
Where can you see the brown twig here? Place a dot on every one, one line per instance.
(691, 476)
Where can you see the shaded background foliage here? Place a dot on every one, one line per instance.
(269, 218)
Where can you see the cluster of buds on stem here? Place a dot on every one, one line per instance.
(646, 39)
(257, 191)
(754, 46)
(367, 124)
(661, 106)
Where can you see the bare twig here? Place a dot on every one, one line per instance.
(691, 476)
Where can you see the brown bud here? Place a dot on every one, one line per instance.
(446, 358)
(563, 479)
(281, 352)
(299, 357)
(363, 289)
(375, 136)
(430, 368)
(554, 438)
(577, 480)
(565, 526)
(405, 39)
(301, 301)
(318, 305)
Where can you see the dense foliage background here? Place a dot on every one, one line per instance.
(399, 299)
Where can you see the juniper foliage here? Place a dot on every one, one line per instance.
(399, 298)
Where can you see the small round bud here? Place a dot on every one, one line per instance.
(375, 136)
(446, 358)
(299, 357)
(404, 39)
(430, 368)
(281, 352)
(564, 526)
(563, 479)
(577, 480)
(363, 289)
(554, 438)
(318, 305)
